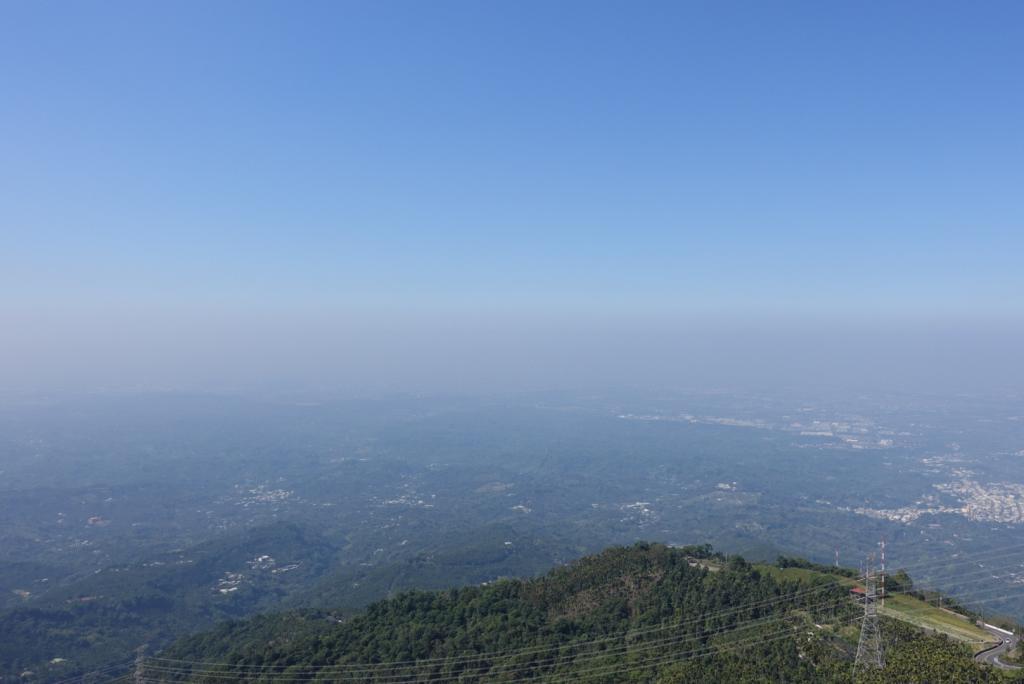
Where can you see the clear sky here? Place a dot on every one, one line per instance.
(356, 190)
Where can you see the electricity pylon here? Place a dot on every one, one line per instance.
(869, 649)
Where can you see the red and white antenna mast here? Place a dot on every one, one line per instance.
(882, 544)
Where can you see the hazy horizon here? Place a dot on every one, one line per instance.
(476, 353)
(457, 197)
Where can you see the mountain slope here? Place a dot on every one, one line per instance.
(644, 613)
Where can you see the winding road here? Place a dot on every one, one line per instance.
(991, 655)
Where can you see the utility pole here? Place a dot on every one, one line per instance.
(869, 648)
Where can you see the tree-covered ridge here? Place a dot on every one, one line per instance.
(642, 613)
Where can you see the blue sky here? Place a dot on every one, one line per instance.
(745, 160)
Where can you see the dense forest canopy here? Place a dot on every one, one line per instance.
(641, 613)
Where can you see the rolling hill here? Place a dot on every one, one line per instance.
(642, 613)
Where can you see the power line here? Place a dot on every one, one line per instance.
(714, 651)
(381, 668)
(650, 663)
(103, 670)
(383, 674)
(476, 656)
(409, 677)
(764, 603)
(528, 672)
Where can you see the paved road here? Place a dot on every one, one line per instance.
(991, 656)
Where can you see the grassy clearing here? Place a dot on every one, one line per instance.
(802, 574)
(927, 616)
(906, 608)
(706, 564)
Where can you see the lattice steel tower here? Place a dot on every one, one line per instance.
(869, 649)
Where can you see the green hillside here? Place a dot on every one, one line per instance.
(646, 613)
(904, 607)
(926, 616)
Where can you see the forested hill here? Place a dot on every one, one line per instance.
(643, 613)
